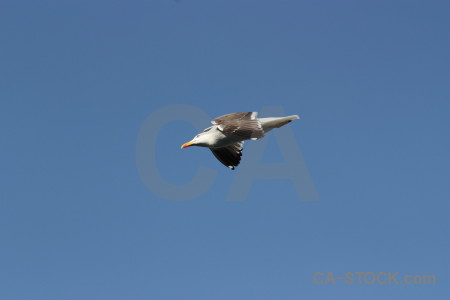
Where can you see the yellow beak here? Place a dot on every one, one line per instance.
(187, 144)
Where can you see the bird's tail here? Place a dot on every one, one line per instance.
(271, 123)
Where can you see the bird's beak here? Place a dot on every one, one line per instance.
(187, 144)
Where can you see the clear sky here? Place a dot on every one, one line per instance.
(78, 79)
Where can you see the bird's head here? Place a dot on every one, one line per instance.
(201, 140)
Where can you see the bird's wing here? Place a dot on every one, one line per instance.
(230, 156)
(236, 116)
(243, 124)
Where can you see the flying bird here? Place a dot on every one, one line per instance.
(226, 137)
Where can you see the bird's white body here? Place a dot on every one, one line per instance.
(217, 139)
(225, 138)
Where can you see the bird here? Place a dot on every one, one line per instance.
(226, 137)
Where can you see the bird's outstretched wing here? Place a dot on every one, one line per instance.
(230, 156)
(242, 124)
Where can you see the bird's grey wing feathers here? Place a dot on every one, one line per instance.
(243, 124)
(235, 116)
(230, 156)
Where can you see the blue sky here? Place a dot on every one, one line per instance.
(79, 78)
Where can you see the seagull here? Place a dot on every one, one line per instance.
(226, 137)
